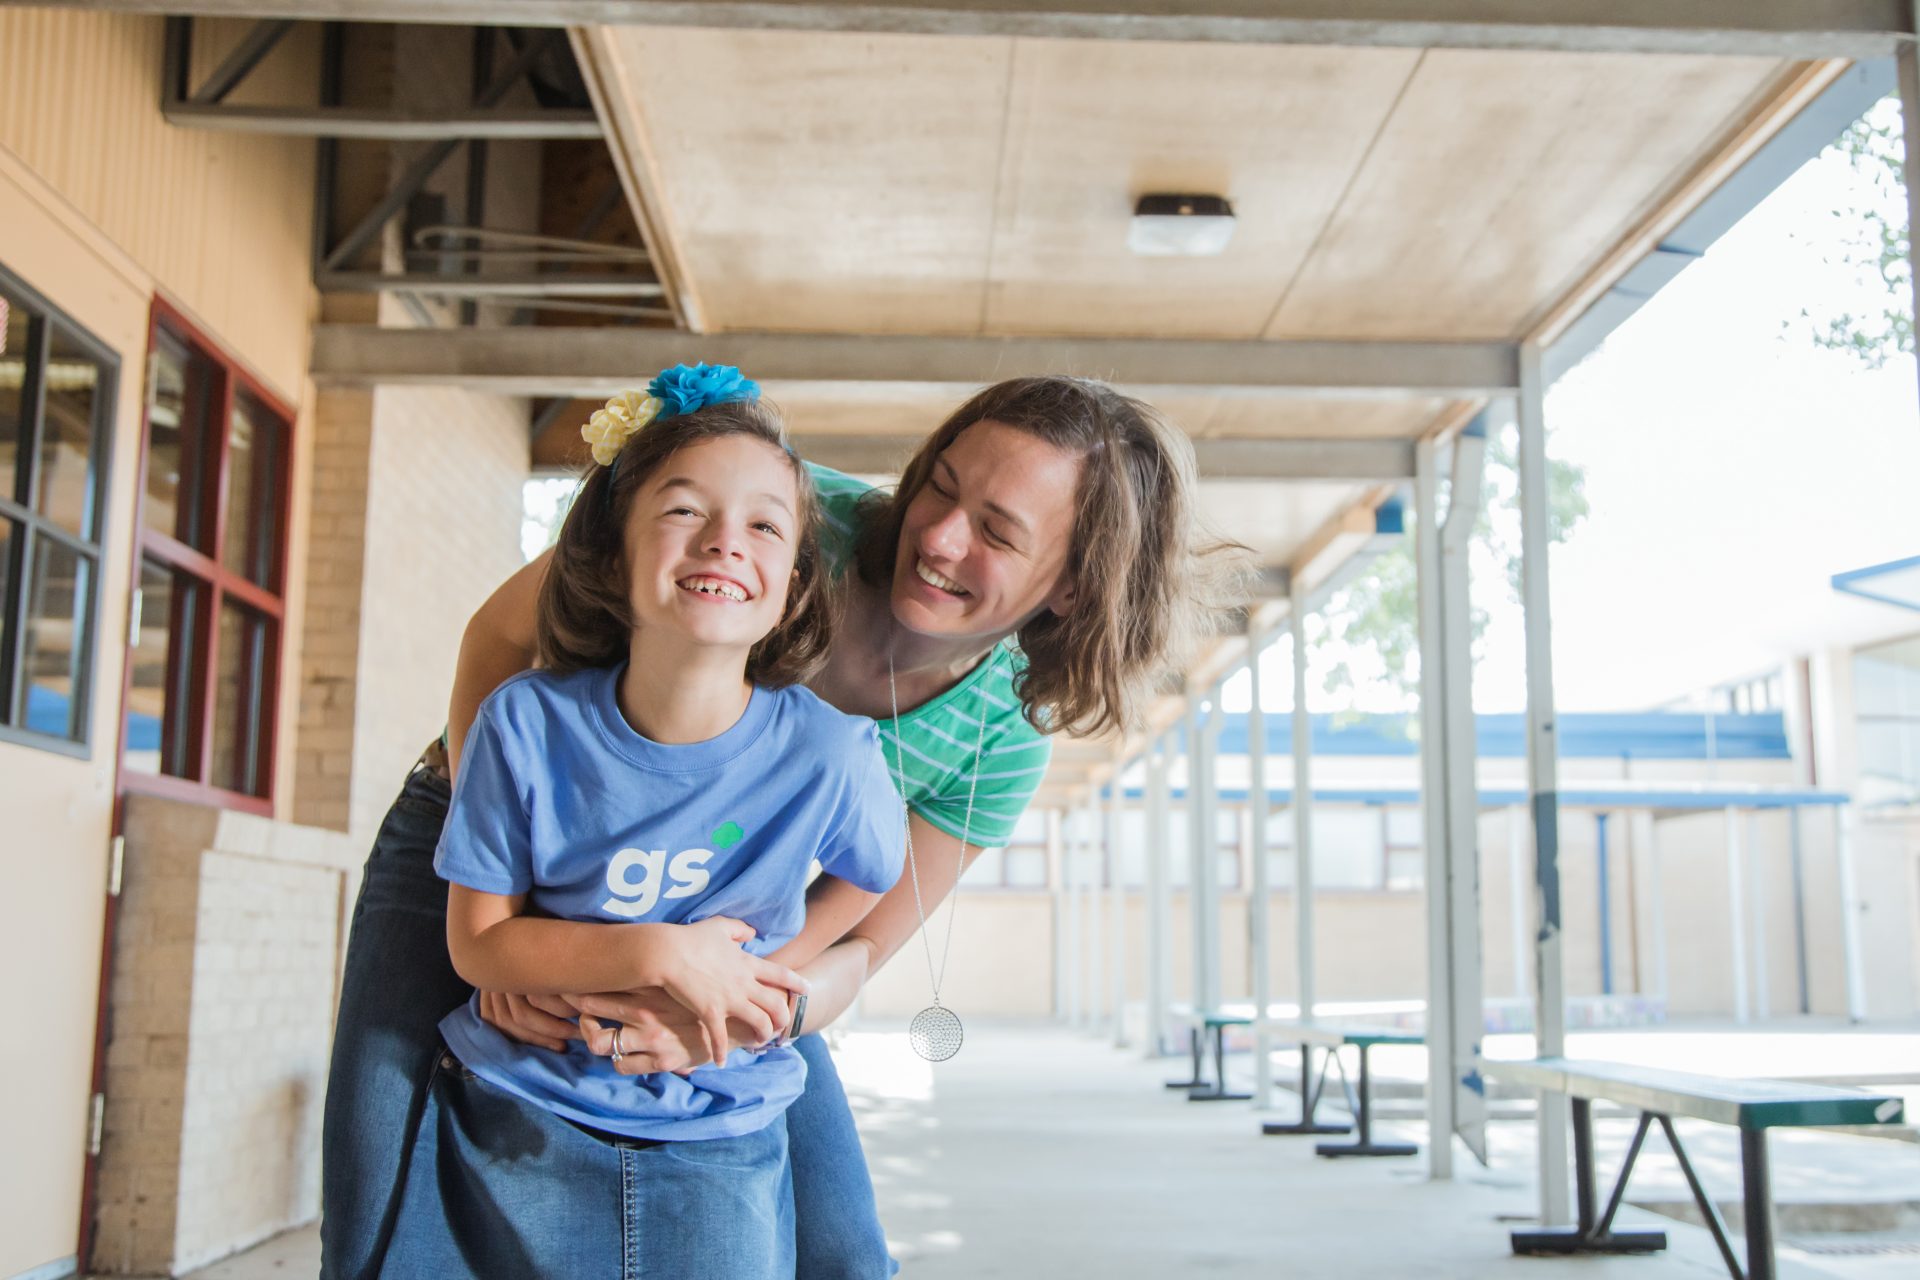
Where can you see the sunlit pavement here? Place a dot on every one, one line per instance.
(1043, 1152)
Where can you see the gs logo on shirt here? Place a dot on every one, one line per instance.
(634, 878)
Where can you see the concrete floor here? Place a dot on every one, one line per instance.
(1040, 1152)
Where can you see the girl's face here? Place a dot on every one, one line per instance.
(984, 544)
(711, 540)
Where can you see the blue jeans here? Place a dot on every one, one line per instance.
(498, 1186)
(399, 983)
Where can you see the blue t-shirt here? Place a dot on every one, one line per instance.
(557, 797)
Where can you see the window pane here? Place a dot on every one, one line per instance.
(253, 465)
(162, 705)
(59, 593)
(177, 419)
(1405, 826)
(1026, 867)
(63, 478)
(238, 700)
(984, 871)
(13, 381)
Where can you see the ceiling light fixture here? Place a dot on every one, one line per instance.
(1185, 226)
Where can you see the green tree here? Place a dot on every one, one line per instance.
(1873, 243)
(1378, 616)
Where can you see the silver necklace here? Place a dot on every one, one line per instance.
(936, 1032)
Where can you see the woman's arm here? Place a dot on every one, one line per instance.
(702, 966)
(499, 642)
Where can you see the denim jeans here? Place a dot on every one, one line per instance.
(498, 1186)
(399, 983)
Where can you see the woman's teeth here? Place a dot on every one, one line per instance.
(714, 587)
(939, 580)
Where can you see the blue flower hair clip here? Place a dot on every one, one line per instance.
(684, 388)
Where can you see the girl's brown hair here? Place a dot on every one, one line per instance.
(1147, 584)
(583, 618)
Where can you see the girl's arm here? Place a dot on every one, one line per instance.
(702, 966)
(499, 642)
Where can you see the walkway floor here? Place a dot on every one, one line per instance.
(1040, 1152)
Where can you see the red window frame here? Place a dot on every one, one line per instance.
(215, 581)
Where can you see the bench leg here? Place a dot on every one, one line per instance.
(1364, 1145)
(1309, 1099)
(1756, 1188)
(1195, 1081)
(1594, 1234)
(1219, 1091)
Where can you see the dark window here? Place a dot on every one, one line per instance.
(204, 670)
(56, 412)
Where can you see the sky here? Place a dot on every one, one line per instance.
(1733, 467)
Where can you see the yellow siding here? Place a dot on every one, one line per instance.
(221, 221)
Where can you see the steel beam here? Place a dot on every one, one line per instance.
(532, 284)
(356, 122)
(1543, 788)
(247, 54)
(1749, 28)
(599, 361)
(1333, 460)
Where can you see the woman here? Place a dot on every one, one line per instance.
(1035, 571)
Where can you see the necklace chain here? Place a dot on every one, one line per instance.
(935, 979)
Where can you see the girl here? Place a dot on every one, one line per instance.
(1037, 568)
(657, 793)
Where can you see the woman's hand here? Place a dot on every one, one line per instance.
(546, 1021)
(657, 1033)
(714, 979)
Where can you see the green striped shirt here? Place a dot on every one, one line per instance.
(933, 746)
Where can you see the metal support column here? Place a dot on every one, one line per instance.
(1603, 891)
(1260, 902)
(1057, 883)
(1302, 808)
(1092, 857)
(1117, 910)
(1196, 893)
(1209, 794)
(1159, 836)
(1907, 73)
(1849, 913)
(1543, 759)
(1517, 881)
(1757, 905)
(1070, 887)
(1737, 915)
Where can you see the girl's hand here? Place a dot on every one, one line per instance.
(656, 1032)
(546, 1021)
(715, 980)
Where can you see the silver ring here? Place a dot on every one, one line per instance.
(618, 1052)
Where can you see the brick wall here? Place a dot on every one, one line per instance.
(417, 501)
(224, 976)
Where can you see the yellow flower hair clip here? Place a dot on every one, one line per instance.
(609, 429)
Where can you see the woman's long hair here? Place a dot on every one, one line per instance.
(1148, 585)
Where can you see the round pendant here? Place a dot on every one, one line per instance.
(936, 1033)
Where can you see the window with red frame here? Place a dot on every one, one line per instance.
(209, 600)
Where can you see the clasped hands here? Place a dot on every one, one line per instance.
(713, 997)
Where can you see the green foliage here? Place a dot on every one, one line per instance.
(1875, 243)
(1377, 618)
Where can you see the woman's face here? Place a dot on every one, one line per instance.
(984, 544)
(711, 541)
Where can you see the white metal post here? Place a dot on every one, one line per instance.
(1302, 808)
(1117, 905)
(1849, 913)
(1057, 879)
(1091, 852)
(1260, 901)
(1543, 788)
(1159, 897)
(1433, 808)
(1518, 880)
(1736, 915)
(1656, 906)
(1070, 882)
(1196, 892)
(1209, 793)
(1757, 901)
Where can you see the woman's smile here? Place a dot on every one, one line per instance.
(928, 574)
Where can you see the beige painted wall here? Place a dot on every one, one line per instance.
(102, 205)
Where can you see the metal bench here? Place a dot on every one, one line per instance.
(1751, 1106)
(1332, 1038)
(1203, 1026)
